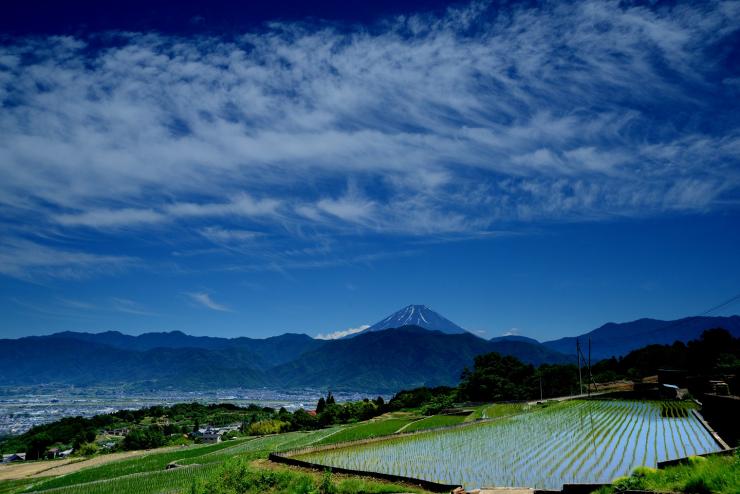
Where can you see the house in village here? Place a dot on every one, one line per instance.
(14, 457)
(212, 434)
(208, 435)
(117, 432)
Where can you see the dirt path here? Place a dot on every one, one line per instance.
(566, 398)
(413, 422)
(22, 470)
(48, 468)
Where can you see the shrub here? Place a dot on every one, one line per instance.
(87, 449)
(697, 460)
(642, 472)
(697, 485)
(302, 485)
(267, 427)
(326, 486)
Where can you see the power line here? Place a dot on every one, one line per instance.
(723, 304)
(686, 319)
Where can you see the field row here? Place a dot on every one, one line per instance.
(147, 475)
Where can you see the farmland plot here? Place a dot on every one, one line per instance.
(571, 442)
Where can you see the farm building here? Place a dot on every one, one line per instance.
(117, 432)
(66, 453)
(672, 392)
(14, 457)
(208, 435)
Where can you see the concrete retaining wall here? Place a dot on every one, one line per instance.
(424, 484)
(681, 461)
(711, 431)
(723, 412)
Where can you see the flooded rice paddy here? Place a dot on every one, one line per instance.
(571, 442)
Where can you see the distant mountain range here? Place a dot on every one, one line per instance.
(616, 339)
(271, 351)
(412, 347)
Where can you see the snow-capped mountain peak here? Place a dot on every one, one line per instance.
(417, 315)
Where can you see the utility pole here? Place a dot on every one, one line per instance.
(589, 367)
(540, 387)
(580, 379)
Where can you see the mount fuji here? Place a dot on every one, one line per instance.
(420, 316)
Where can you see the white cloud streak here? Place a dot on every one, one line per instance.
(29, 260)
(341, 334)
(128, 306)
(205, 300)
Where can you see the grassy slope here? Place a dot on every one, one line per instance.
(174, 481)
(241, 477)
(150, 462)
(497, 410)
(10, 486)
(367, 430)
(435, 421)
(716, 474)
(147, 474)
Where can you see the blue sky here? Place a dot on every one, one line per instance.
(313, 167)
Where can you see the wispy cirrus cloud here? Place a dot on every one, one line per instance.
(476, 120)
(218, 234)
(31, 261)
(110, 218)
(205, 300)
(128, 306)
(110, 304)
(240, 206)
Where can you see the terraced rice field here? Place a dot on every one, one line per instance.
(161, 481)
(433, 422)
(366, 430)
(147, 474)
(570, 442)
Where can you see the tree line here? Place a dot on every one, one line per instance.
(499, 378)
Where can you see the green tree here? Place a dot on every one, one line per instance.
(37, 446)
(302, 420)
(148, 438)
(498, 378)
